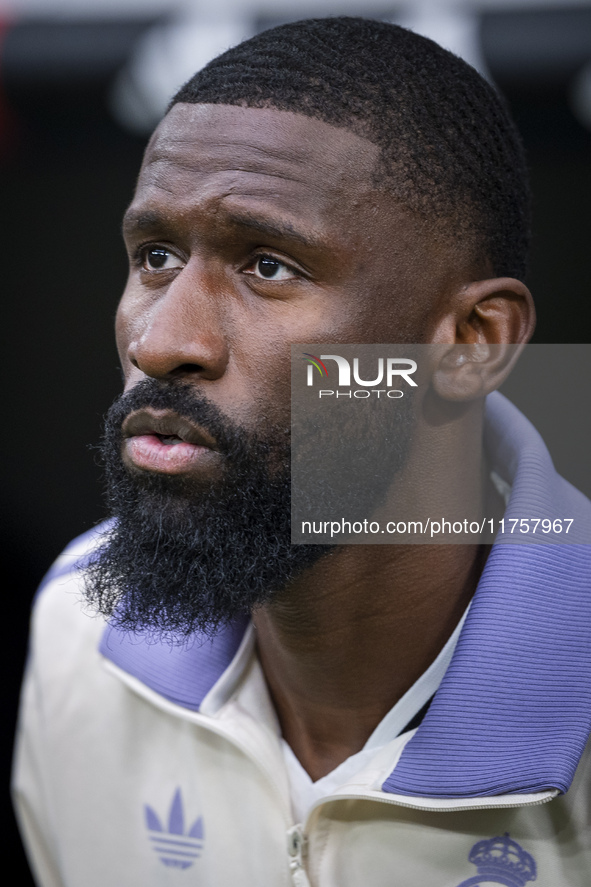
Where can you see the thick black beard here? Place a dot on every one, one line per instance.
(183, 558)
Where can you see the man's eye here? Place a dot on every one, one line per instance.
(268, 268)
(157, 258)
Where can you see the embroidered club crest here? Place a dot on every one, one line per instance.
(173, 845)
(500, 861)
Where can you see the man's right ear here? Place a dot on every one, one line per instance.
(487, 325)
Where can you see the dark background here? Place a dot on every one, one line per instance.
(67, 171)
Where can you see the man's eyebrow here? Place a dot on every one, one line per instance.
(148, 220)
(272, 228)
(142, 220)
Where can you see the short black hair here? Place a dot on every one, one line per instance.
(449, 149)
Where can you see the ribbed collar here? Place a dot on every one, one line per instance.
(513, 712)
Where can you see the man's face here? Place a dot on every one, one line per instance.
(250, 229)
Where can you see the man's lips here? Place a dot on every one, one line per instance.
(165, 442)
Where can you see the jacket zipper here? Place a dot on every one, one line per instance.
(505, 805)
(296, 848)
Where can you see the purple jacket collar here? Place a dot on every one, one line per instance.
(513, 712)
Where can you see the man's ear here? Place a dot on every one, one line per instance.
(488, 322)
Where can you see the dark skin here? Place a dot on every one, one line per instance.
(252, 229)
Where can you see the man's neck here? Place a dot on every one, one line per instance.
(345, 642)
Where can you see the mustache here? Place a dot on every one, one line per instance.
(184, 400)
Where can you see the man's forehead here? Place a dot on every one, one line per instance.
(214, 138)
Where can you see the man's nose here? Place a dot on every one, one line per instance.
(181, 333)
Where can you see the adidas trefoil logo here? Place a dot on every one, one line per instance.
(174, 846)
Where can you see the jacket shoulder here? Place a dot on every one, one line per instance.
(61, 619)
